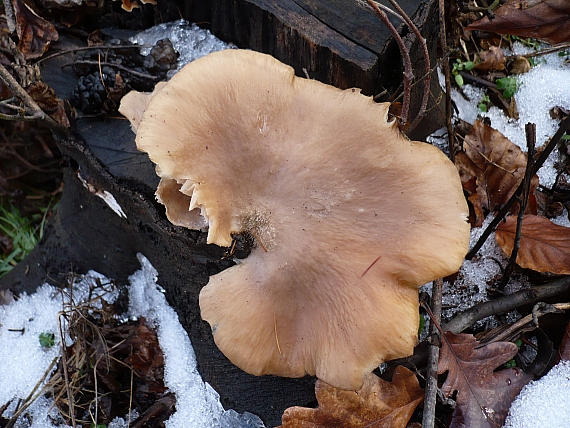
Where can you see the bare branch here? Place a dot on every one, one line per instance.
(425, 53)
(30, 106)
(428, 420)
(408, 73)
(503, 304)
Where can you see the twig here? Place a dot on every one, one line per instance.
(33, 396)
(447, 75)
(71, 404)
(10, 17)
(503, 304)
(521, 326)
(30, 106)
(428, 420)
(469, 78)
(542, 52)
(117, 66)
(87, 48)
(408, 73)
(384, 8)
(537, 165)
(422, 41)
(530, 129)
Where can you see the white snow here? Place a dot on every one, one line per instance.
(470, 287)
(190, 41)
(546, 402)
(543, 403)
(545, 86)
(197, 403)
(24, 362)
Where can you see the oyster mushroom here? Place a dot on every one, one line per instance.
(350, 217)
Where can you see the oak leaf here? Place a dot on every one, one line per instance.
(34, 32)
(378, 402)
(483, 394)
(548, 20)
(491, 168)
(544, 246)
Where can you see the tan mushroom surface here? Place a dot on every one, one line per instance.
(349, 216)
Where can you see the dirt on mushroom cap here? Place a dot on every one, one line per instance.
(350, 216)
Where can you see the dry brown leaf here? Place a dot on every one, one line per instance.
(34, 32)
(48, 101)
(491, 59)
(483, 395)
(544, 246)
(491, 167)
(520, 65)
(544, 19)
(378, 402)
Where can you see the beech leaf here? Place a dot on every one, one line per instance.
(544, 246)
(378, 402)
(483, 394)
(491, 167)
(548, 20)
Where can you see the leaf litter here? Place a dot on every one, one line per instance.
(378, 403)
(120, 353)
(484, 395)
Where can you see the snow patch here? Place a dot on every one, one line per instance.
(24, 361)
(543, 403)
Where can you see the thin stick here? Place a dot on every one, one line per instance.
(70, 400)
(10, 17)
(530, 129)
(447, 75)
(88, 48)
(408, 73)
(30, 106)
(520, 326)
(117, 66)
(546, 51)
(422, 41)
(503, 304)
(33, 396)
(537, 165)
(428, 420)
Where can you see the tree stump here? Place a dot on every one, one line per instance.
(335, 41)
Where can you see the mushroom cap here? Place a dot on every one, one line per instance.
(350, 216)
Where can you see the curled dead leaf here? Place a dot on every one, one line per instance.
(48, 101)
(520, 65)
(491, 168)
(484, 395)
(491, 59)
(544, 246)
(548, 20)
(378, 402)
(34, 33)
